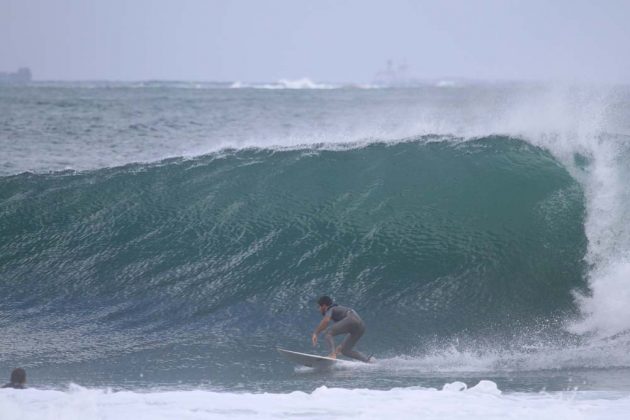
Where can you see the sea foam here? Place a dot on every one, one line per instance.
(454, 401)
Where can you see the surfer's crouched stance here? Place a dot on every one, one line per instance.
(347, 321)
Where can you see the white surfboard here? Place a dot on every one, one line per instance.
(305, 359)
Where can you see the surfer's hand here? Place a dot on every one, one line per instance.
(314, 339)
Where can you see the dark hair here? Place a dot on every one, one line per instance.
(18, 376)
(324, 300)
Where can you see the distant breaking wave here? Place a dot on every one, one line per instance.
(303, 83)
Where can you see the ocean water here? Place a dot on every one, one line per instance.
(158, 241)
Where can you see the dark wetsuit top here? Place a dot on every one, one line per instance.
(337, 313)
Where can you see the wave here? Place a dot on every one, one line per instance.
(488, 240)
(438, 236)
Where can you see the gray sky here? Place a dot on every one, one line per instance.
(335, 41)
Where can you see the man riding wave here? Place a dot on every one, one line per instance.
(346, 321)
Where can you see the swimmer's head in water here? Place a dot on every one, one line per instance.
(18, 376)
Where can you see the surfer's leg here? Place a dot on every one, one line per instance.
(331, 341)
(349, 342)
(342, 327)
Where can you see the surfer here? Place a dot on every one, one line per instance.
(18, 379)
(347, 321)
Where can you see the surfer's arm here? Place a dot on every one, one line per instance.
(321, 327)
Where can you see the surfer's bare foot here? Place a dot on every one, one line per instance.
(333, 355)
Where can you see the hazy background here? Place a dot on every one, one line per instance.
(340, 41)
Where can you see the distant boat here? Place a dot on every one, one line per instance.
(392, 76)
(21, 77)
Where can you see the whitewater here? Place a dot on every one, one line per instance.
(158, 243)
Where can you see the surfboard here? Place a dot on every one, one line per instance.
(309, 360)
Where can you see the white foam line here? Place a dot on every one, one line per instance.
(454, 401)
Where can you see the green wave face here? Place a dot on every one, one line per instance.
(429, 237)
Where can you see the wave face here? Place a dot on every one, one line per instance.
(434, 236)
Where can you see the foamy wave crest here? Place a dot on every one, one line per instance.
(303, 83)
(447, 84)
(606, 310)
(454, 401)
(585, 129)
